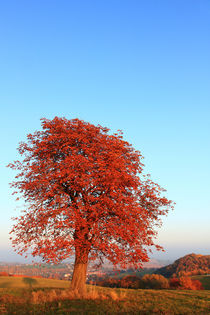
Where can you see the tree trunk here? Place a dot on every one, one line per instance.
(79, 273)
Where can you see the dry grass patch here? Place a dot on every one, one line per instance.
(38, 297)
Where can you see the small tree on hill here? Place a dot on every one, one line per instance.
(86, 196)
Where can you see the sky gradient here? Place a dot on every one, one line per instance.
(139, 66)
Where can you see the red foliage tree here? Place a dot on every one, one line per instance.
(197, 285)
(86, 195)
(185, 283)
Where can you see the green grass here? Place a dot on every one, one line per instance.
(16, 298)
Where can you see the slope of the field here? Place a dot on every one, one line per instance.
(45, 299)
(22, 282)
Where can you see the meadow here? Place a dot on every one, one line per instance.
(48, 296)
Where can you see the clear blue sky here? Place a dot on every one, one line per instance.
(139, 66)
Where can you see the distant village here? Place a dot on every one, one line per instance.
(64, 271)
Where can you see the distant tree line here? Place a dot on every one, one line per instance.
(151, 281)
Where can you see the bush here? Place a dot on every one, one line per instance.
(197, 285)
(131, 282)
(155, 281)
(127, 282)
(110, 282)
(174, 283)
(189, 284)
(185, 283)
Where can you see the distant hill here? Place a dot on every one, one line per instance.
(191, 264)
(156, 263)
(152, 263)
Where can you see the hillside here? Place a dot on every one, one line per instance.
(191, 264)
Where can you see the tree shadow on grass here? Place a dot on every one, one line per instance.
(5, 284)
(30, 282)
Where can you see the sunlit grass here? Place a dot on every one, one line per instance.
(17, 282)
(54, 297)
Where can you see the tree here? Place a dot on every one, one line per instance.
(85, 195)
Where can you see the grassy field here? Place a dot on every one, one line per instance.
(53, 297)
(17, 282)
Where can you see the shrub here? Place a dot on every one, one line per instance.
(185, 283)
(110, 282)
(127, 282)
(131, 282)
(174, 283)
(189, 284)
(197, 285)
(155, 281)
